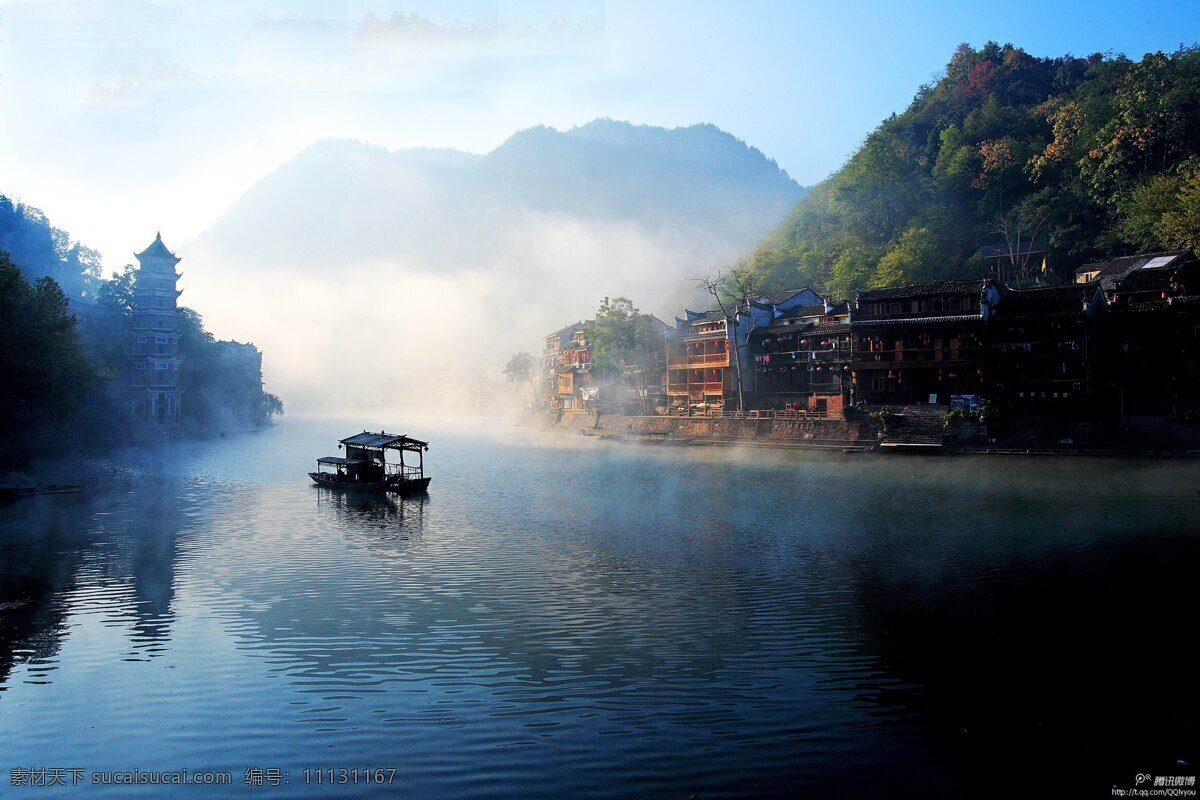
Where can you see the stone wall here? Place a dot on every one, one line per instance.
(822, 433)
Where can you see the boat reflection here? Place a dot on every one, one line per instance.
(366, 510)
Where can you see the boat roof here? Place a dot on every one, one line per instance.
(346, 462)
(384, 441)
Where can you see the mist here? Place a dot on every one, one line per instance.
(380, 284)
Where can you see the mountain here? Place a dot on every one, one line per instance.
(1087, 158)
(493, 250)
(341, 198)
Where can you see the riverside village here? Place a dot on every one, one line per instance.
(1107, 364)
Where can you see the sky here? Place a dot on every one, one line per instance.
(124, 117)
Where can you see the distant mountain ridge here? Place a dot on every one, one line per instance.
(384, 279)
(346, 196)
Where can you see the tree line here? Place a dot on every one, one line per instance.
(1052, 162)
(62, 382)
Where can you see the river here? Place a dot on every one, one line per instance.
(573, 619)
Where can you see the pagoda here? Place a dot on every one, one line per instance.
(154, 355)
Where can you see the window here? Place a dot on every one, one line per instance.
(161, 366)
(140, 365)
(882, 384)
(141, 340)
(160, 340)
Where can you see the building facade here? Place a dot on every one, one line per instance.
(1042, 349)
(566, 368)
(922, 343)
(154, 352)
(802, 360)
(709, 351)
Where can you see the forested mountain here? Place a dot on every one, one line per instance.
(41, 250)
(1083, 157)
(343, 200)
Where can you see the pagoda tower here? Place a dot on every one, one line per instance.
(154, 355)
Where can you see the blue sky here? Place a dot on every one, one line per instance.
(123, 117)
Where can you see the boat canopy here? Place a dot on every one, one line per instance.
(344, 462)
(384, 441)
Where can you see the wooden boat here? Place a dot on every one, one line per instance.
(647, 437)
(8, 493)
(365, 467)
(642, 437)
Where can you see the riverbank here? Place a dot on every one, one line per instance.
(911, 429)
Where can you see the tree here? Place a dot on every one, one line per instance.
(45, 371)
(1180, 227)
(1093, 151)
(521, 368)
(732, 287)
(620, 334)
(1020, 232)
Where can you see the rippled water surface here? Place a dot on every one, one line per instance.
(573, 620)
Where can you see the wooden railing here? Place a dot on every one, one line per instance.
(761, 414)
(706, 360)
(701, 386)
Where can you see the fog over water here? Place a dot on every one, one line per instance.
(561, 618)
(379, 281)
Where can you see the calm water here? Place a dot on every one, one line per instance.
(583, 621)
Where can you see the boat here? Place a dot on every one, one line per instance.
(9, 493)
(365, 468)
(648, 437)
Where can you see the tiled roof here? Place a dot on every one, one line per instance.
(565, 328)
(924, 289)
(1046, 302)
(784, 296)
(1144, 280)
(1121, 266)
(157, 250)
(804, 311)
(1148, 305)
(704, 316)
(917, 320)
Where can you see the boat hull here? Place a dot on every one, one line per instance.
(402, 487)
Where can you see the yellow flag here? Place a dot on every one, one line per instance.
(1043, 263)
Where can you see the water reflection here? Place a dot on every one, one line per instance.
(110, 552)
(359, 511)
(619, 624)
(1066, 660)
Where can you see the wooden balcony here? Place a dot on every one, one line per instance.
(709, 387)
(706, 360)
(946, 355)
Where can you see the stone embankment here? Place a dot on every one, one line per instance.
(822, 434)
(909, 429)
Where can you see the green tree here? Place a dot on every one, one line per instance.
(1099, 149)
(621, 335)
(46, 373)
(521, 367)
(1180, 226)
